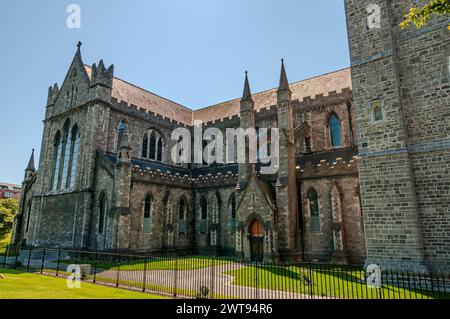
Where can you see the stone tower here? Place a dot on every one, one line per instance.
(286, 185)
(63, 188)
(401, 95)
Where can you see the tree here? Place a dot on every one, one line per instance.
(8, 209)
(420, 15)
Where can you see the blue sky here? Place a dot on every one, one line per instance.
(194, 52)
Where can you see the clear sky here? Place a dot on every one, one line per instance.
(194, 52)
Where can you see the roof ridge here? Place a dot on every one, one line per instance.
(274, 88)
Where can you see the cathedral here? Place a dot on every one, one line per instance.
(363, 167)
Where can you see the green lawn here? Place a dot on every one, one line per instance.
(22, 285)
(343, 282)
(165, 289)
(187, 263)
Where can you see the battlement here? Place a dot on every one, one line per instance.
(102, 76)
(337, 162)
(53, 92)
(168, 177)
(325, 168)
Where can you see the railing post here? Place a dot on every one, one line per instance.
(118, 271)
(256, 280)
(29, 258)
(145, 274)
(17, 256)
(59, 260)
(311, 280)
(95, 266)
(6, 255)
(175, 278)
(213, 274)
(43, 260)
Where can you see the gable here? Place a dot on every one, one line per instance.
(262, 191)
(75, 88)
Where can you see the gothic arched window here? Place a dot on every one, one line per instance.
(160, 149)
(101, 212)
(152, 150)
(152, 145)
(377, 112)
(204, 215)
(335, 130)
(233, 206)
(313, 199)
(204, 208)
(148, 201)
(57, 156)
(75, 144)
(182, 209)
(121, 130)
(182, 214)
(66, 156)
(145, 146)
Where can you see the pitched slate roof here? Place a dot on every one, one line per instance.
(132, 94)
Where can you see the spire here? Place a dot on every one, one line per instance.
(284, 84)
(247, 95)
(30, 166)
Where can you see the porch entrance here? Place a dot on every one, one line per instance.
(256, 241)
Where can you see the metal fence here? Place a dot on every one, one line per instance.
(227, 278)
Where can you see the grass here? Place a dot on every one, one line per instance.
(187, 263)
(342, 282)
(168, 290)
(22, 285)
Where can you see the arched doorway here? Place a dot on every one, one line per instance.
(256, 240)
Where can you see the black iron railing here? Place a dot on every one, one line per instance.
(227, 278)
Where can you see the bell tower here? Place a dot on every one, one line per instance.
(391, 218)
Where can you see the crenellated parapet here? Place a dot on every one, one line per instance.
(328, 167)
(175, 179)
(53, 92)
(158, 176)
(215, 180)
(101, 82)
(101, 75)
